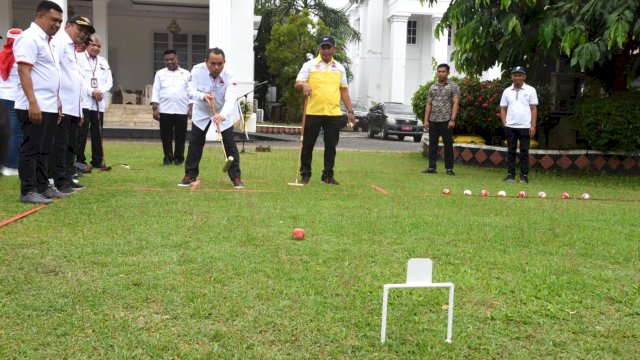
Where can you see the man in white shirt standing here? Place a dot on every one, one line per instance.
(519, 112)
(37, 103)
(75, 33)
(171, 106)
(97, 81)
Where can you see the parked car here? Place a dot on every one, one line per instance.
(360, 113)
(393, 118)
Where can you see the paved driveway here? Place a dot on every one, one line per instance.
(348, 140)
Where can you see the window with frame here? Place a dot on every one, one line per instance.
(449, 35)
(190, 48)
(412, 32)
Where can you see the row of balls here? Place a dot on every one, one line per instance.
(521, 194)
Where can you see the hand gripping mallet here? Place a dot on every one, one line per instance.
(304, 118)
(227, 159)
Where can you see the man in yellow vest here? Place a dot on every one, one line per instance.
(324, 81)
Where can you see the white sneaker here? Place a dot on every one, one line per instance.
(7, 171)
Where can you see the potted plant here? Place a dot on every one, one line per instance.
(246, 107)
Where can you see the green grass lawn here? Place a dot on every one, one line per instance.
(135, 267)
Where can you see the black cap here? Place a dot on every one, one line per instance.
(519, 69)
(327, 40)
(82, 21)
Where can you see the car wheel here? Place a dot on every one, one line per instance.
(417, 138)
(370, 133)
(385, 133)
(401, 137)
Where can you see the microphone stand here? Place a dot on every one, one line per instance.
(243, 122)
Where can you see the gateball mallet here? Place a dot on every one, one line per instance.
(304, 118)
(227, 159)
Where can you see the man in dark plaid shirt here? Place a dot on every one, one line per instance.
(440, 118)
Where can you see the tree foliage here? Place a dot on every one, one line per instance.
(599, 37)
(287, 51)
(276, 12)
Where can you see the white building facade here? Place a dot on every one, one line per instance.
(398, 49)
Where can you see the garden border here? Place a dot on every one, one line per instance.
(546, 160)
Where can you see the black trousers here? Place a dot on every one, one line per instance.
(93, 122)
(37, 142)
(437, 129)
(513, 135)
(63, 154)
(196, 145)
(170, 125)
(331, 128)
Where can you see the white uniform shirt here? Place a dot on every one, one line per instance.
(94, 68)
(9, 88)
(71, 79)
(171, 91)
(33, 47)
(518, 104)
(224, 91)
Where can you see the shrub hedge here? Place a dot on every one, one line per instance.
(610, 123)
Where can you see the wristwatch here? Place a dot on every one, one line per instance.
(350, 112)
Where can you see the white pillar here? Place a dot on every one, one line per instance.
(100, 23)
(65, 12)
(6, 17)
(372, 50)
(360, 79)
(231, 29)
(220, 25)
(439, 47)
(398, 47)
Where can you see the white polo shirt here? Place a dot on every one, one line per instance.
(71, 79)
(33, 47)
(9, 88)
(224, 91)
(171, 91)
(94, 68)
(518, 103)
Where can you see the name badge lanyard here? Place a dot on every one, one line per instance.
(94, 80)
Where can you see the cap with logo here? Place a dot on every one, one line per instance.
(519, 69)
(82, 21)
(327, 40)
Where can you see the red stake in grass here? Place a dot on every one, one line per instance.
(20, 216)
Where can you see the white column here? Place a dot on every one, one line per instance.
(372, 50)
(360, 79)
(65, 12)
(6, 17)
(220, 25)
(439, 48)
(100, 23)
(398, 48)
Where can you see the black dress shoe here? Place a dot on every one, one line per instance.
(430, 171)
(167, 160)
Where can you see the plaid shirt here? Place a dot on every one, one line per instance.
(442, 100)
